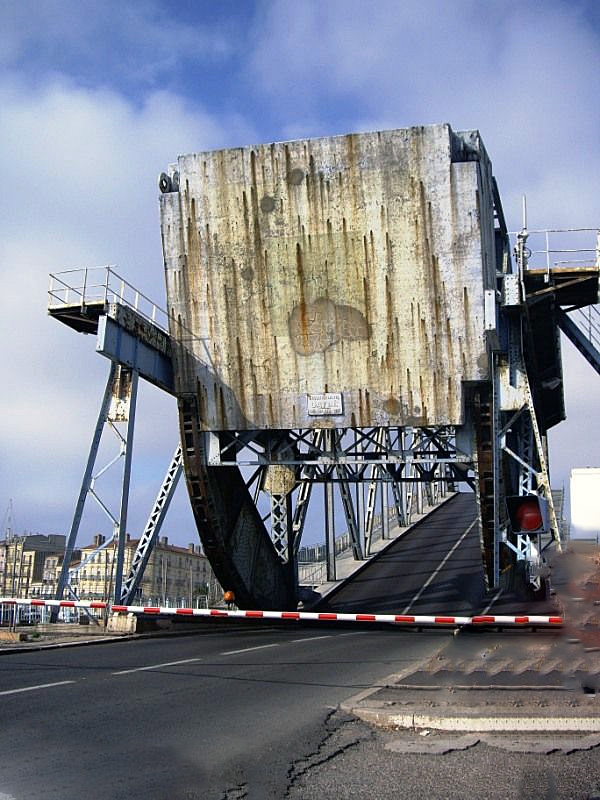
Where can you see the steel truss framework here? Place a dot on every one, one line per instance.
(117, 414)
(121, 387)
(395, 470)
(521, 471)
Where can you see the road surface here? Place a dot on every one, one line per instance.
(245, 711)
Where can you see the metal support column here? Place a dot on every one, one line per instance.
(496, 471)
(329, 515)
(130, 376)
(385, 522)
(86, 483)
(348, 506)
(360, 514)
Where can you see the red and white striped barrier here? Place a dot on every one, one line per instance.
(312, 616)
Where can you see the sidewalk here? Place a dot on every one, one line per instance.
(513, 683)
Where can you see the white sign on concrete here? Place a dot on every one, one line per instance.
(325, 404)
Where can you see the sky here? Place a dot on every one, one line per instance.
(96, 99)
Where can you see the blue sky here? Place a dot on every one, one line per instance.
(96, 99)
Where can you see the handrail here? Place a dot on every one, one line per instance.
(89, 285)
(582, 241)
(82, 291)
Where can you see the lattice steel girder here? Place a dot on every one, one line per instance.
(118, 407)
(281, 527)
(153, 525)
(355, 447)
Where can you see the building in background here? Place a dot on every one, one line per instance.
(173, 576)
(30, 566)
(585, 503)
(23, 562)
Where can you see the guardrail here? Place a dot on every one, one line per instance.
(89, 285)
(555, 247)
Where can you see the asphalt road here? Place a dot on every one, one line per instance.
(214, 715)
(248, 711)
(434, 568)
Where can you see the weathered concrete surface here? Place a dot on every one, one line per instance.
(121, 623)
(353, 265)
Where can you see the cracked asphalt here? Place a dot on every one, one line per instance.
(360, 761)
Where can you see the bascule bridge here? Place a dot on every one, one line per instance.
(348, 326)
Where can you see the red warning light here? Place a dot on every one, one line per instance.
(528, 515)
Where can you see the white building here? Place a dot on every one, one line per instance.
(585, 503)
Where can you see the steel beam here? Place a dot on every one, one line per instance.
(86, 481)
(152, 529)
(124, 505)
(125, 348)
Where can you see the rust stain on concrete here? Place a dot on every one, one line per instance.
(316, 326)
(357, 263)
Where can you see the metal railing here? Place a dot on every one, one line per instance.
(315, 553)
(16, 614)
(555, 247)
(569, 247)
(20, 612)
(93, 285)
(588, 320)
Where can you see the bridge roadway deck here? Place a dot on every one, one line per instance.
(435, 567)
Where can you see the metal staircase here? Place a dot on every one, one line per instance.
(582, 327)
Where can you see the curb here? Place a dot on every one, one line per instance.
(458, 720)
(35, 648)
(124, 637)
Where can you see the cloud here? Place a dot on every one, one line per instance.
(135, 43)
(526, 80)
(97, 99)
(80, 171)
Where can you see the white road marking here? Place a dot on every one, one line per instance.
(35, 688)
(492, 601)
(311, 638)
(248, 649)
(157, 666)
(436, 571)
